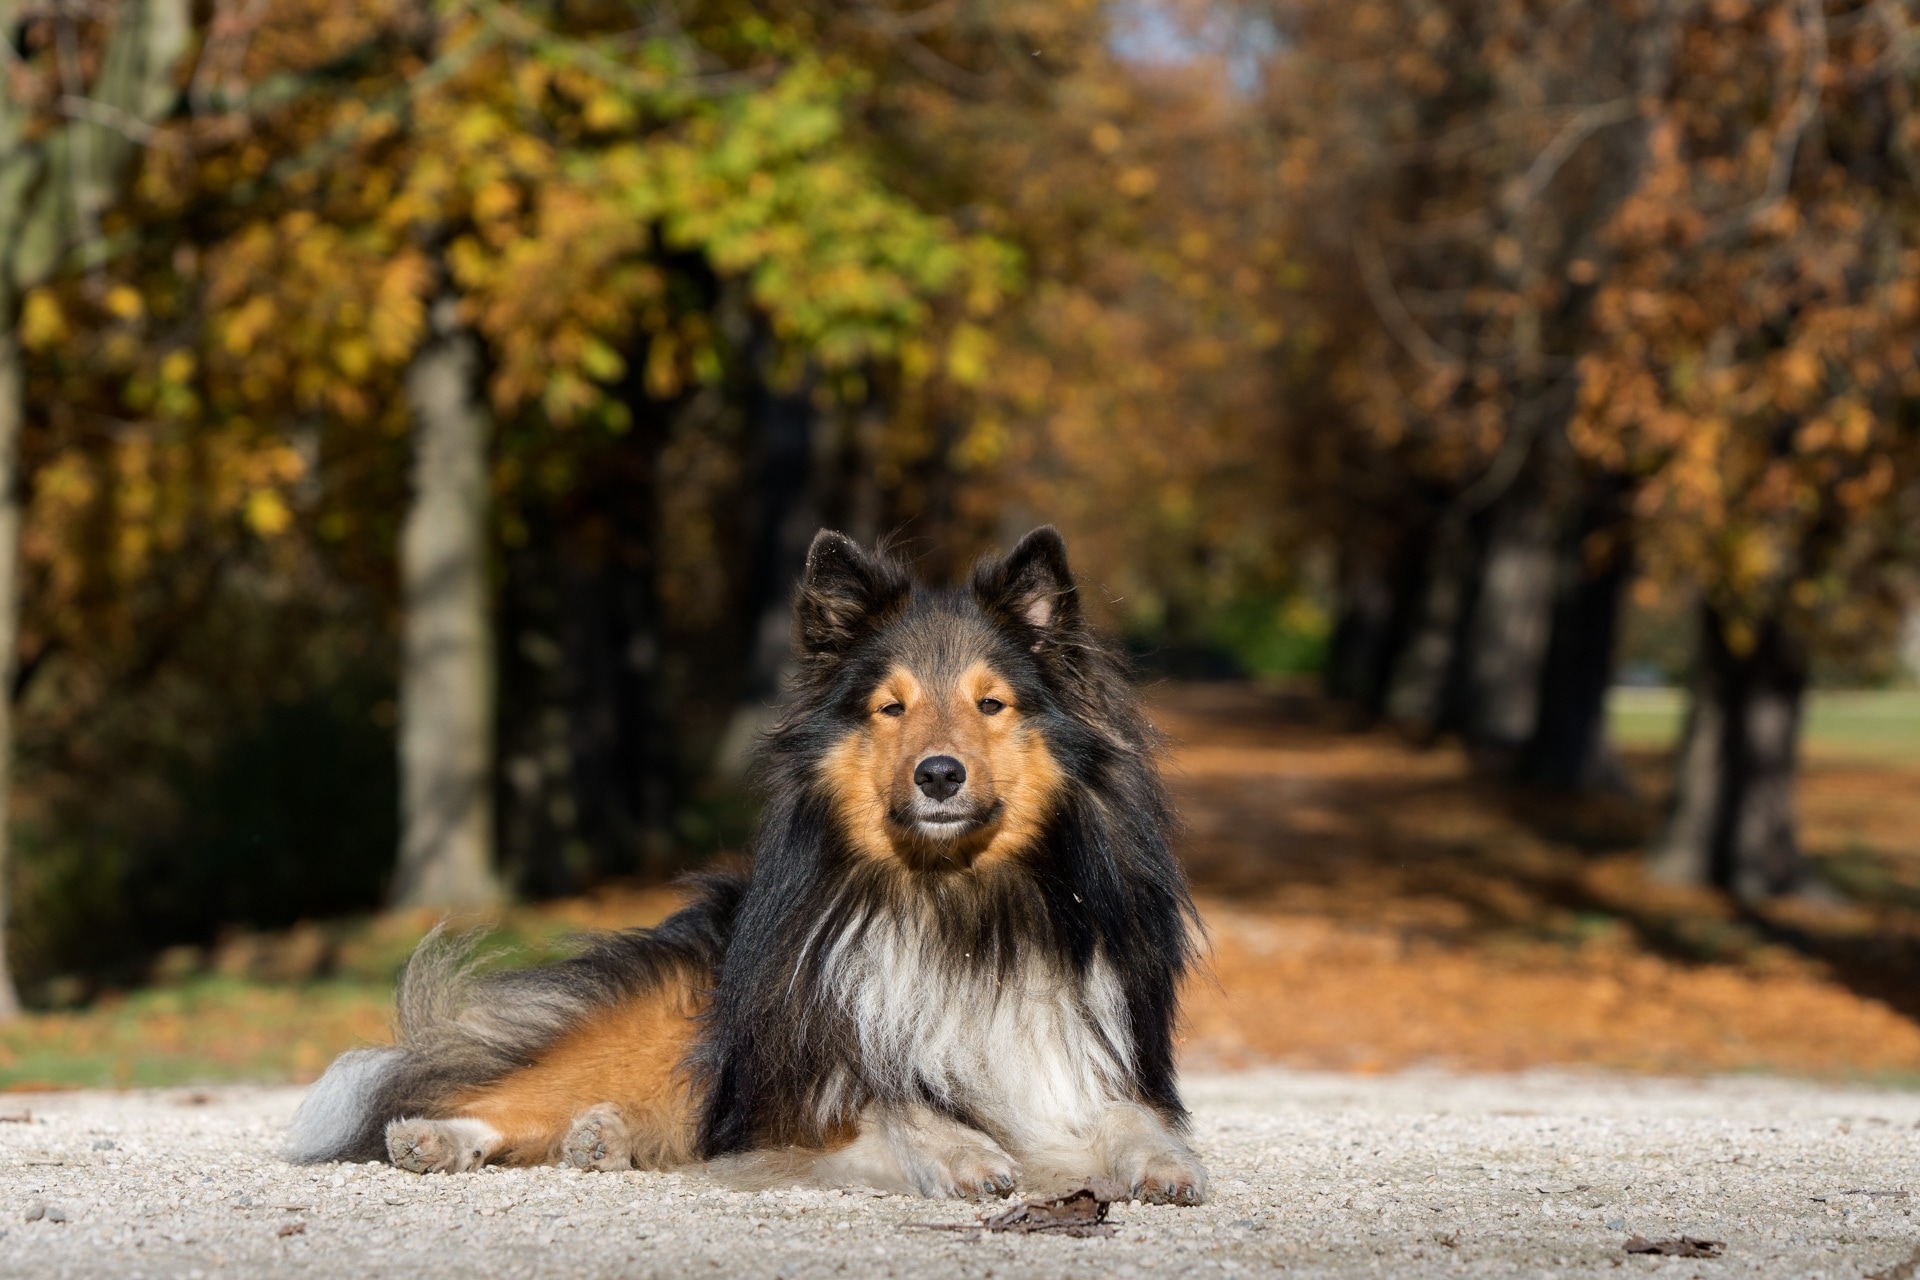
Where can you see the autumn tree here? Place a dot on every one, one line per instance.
(649, 241)
(78, 92)
(1453, 167)
(1754, 363)
(1620, 277)
(1131, 372)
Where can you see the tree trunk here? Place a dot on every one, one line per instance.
(1568, 749)
(12, 412)
(446, 678)
(1378, 597)
(1910, 642)
(1512, 625)
(541, 853)
(1427, 668)
(586, 767)
(785, 516)
(1733, 824)
(1685, 854)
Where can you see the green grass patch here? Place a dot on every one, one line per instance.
(1879, 724)
(271, 1007)
(205, 1031)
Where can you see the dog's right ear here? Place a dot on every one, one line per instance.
(844, 594)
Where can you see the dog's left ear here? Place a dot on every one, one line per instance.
(1031, 589)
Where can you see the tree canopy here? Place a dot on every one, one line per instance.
(1462, 324)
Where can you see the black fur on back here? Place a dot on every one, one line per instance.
(457, 1028)
(1102, 880)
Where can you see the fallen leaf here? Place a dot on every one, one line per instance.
(1684, 1247)
(291, 1229)
(1080, 1212)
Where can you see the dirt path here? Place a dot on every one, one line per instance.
(1315, 1175)
(1374, 906)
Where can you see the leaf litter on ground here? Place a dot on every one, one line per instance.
(1080, 1212)
(1683, 1247)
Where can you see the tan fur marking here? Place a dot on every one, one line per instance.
(627, 1056)
(870, 772)
(1029, 777)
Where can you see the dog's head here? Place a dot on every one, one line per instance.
(940, 702)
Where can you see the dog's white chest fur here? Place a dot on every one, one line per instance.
(1033, 1054)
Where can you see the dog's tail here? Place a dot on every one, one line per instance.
(458, 1029)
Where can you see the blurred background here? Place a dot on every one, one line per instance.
(1494, 430)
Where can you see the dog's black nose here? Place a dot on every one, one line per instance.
(939, 776)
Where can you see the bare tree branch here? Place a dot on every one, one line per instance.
(1799, 118)
(948, 75)
(124, 123)
(911, 23)
(1527, 187)
(1589, 121)
(1393, 313)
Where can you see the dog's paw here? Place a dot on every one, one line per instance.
(968, 1171)
(1168, 1177)
(439, 1146)
(599, 1139)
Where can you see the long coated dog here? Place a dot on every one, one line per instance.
(953, 967)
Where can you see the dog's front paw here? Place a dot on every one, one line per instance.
(1167, 1177)
(439, 1146)
(968, 1171)
(599, 1139)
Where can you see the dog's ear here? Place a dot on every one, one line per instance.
(843, 594)
(1031, 590)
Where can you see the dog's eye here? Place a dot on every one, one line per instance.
(893, 709)
(991, 706)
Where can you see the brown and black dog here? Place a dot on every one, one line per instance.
(953, 966)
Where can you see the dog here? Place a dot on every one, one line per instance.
(953, 967)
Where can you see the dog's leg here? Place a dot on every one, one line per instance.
(1134, 1146)
(939, 1156)
(441, 1146)
(919, 1150)
(599, 1139)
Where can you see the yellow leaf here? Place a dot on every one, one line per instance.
(967, 354)
(177, 367)
(267, 514)
(41, 321)
(124, 301)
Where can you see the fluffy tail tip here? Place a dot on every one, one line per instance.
(335, 1117)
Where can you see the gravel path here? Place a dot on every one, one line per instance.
(1315, 1175)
